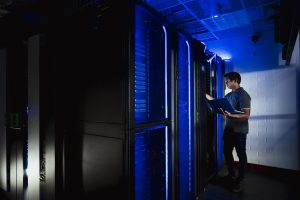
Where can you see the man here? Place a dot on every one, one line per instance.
(236, 129)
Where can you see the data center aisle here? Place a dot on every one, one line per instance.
(258, 186)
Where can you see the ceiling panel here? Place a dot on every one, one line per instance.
(160, 5)
(234, 32)
(264, 25)
(181, 16)
(170, 11)
(208, 20)
(192, 27)
(255, 13)
(230, 5)
(200, 8)
(226, 21)
(205, 37)
(251, 3)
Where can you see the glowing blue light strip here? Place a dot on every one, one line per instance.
(166, 72)
(166, 107)
(190, 116)
(166, 143)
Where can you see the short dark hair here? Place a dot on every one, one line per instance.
(233, 76)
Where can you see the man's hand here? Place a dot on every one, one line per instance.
(228, 114)
(221, 111)
(208, 97)
(238, 116)
(224, 113)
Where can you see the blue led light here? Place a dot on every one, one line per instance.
(167, 164)
(166, 106)
(166, 72)
(190, 116)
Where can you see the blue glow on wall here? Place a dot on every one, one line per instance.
(167, 161)
(224, 55)
(247, 56)
(186, 119)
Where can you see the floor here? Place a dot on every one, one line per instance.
(2, 195)
(257, 186)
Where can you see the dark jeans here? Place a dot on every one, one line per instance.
(237, 141)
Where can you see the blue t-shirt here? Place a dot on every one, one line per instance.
(239, 99)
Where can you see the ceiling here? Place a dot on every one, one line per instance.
(210, 20)
(204, 20)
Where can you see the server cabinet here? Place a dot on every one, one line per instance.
(101, 107)
(192, 122)
(219, 72)
(201, 117)
(152, 115)
(16, 119)
(20, 62)
(186, 118)
(214, 79)
(211, 117)
(92, 94)
(114, 103)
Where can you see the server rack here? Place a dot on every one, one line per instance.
(109, 130)
(191, 118)
(220, 68)
(152, 115)
(215, 87)
(16, 118)
(201, 117)
(186, 118)
(117, 119)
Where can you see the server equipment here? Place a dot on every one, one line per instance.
(186, 118)
(113, 107)
(114, 103)
(214, 87)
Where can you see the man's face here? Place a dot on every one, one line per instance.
(229, 83)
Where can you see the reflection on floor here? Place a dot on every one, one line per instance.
(257, 186)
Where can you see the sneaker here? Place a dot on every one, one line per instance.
(238, 186)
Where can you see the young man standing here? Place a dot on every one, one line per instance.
(236, 129)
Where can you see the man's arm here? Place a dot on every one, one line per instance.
(245, 115)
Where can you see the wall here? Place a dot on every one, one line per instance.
(273, 138)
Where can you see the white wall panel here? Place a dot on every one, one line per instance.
(273, 135)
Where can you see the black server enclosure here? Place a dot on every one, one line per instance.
(214, 66)
(191, 118)
(16, 117)
(93, 93)
(202, 122)
(108, 118)
(113, 103)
